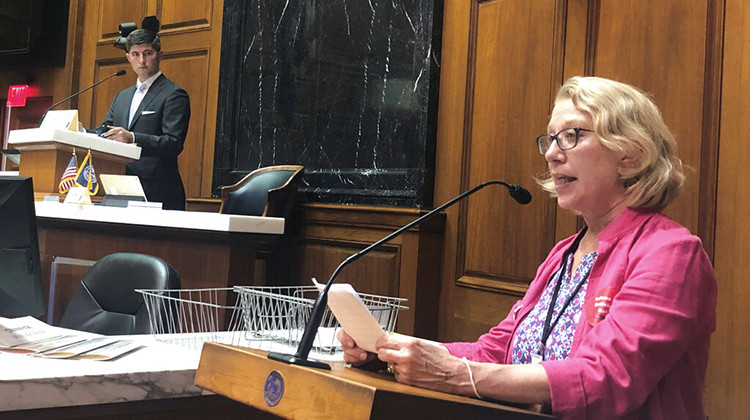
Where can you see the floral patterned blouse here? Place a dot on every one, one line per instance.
(528, 336)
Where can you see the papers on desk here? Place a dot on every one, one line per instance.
(31, 336)
(353, 315)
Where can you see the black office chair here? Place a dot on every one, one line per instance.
(268, 191)
(106, 301)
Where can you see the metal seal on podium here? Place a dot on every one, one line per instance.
(273, 390)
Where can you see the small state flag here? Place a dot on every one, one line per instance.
(86, 177)
(68, 179)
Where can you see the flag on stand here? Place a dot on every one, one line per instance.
(69, 176)
(86, 176)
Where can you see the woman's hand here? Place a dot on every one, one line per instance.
(353, 354)
(429, 365)
(423, 364)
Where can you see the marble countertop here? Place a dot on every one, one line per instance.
(162, 218)
(164, 366)
(155, 371)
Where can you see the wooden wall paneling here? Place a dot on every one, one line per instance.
(99, 57)
(481, 74)
(213, 48)
(726, 384)
(407, 266)
(669, 64)
(510, 104)
(189, 69)
(376, 273)
(176, 16)
(66, 79)
(420, 282)
(578, 31)
(87, 59)
(201, 263)
(711, 124)
(476, 311)
(104, 93)
(115, 12)
(449, 154)
(47, 84)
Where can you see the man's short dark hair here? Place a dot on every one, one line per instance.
(143, 36)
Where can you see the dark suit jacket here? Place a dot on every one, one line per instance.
(160, 125)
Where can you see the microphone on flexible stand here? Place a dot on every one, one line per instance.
(118, 73)
(519, 193)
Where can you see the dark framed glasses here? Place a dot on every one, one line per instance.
(566, 139)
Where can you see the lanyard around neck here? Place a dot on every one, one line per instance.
(549, 324)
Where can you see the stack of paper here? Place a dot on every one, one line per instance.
(29, 335)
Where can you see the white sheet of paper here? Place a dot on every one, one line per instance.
(24, 330)
(77, 195)
(353, 315)
(66, 119)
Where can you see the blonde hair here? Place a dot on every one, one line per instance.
(627, 121)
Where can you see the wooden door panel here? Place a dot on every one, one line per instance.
(319, 260)
(181, 16)
(190, 71)
(726, 382)
(669, 64)
(510, 101)
(106, 91)
(117, 12)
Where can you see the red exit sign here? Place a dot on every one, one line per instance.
(17, 95)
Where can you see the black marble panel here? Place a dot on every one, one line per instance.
(346, 88)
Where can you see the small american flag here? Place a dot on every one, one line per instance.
(69, 176)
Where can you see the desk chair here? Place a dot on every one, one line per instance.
(106, 301)
(268, 192)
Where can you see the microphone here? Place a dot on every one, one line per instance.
(519, 193)
(118, 73)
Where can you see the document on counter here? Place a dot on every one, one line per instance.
(18, 334)
(100, 348)
(353, 315)
(43, 345)
(32, 336)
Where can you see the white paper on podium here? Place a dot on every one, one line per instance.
(66, 119)
(353, 315)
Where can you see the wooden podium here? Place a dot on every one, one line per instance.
(45, 153)
(341, 393)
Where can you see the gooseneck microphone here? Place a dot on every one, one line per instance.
(520, 194)
(118, 73)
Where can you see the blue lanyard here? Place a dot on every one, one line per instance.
(549, 324)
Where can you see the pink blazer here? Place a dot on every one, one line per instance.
(641, 346)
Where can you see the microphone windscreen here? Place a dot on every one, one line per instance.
(520, 194)
(120, 72)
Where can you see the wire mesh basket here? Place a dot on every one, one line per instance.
(269, 318)
(189, 317)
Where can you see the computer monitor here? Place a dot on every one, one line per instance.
(20, 266)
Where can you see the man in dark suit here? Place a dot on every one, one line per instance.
(154, 114)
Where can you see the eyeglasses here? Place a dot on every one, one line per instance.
(567, 138)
